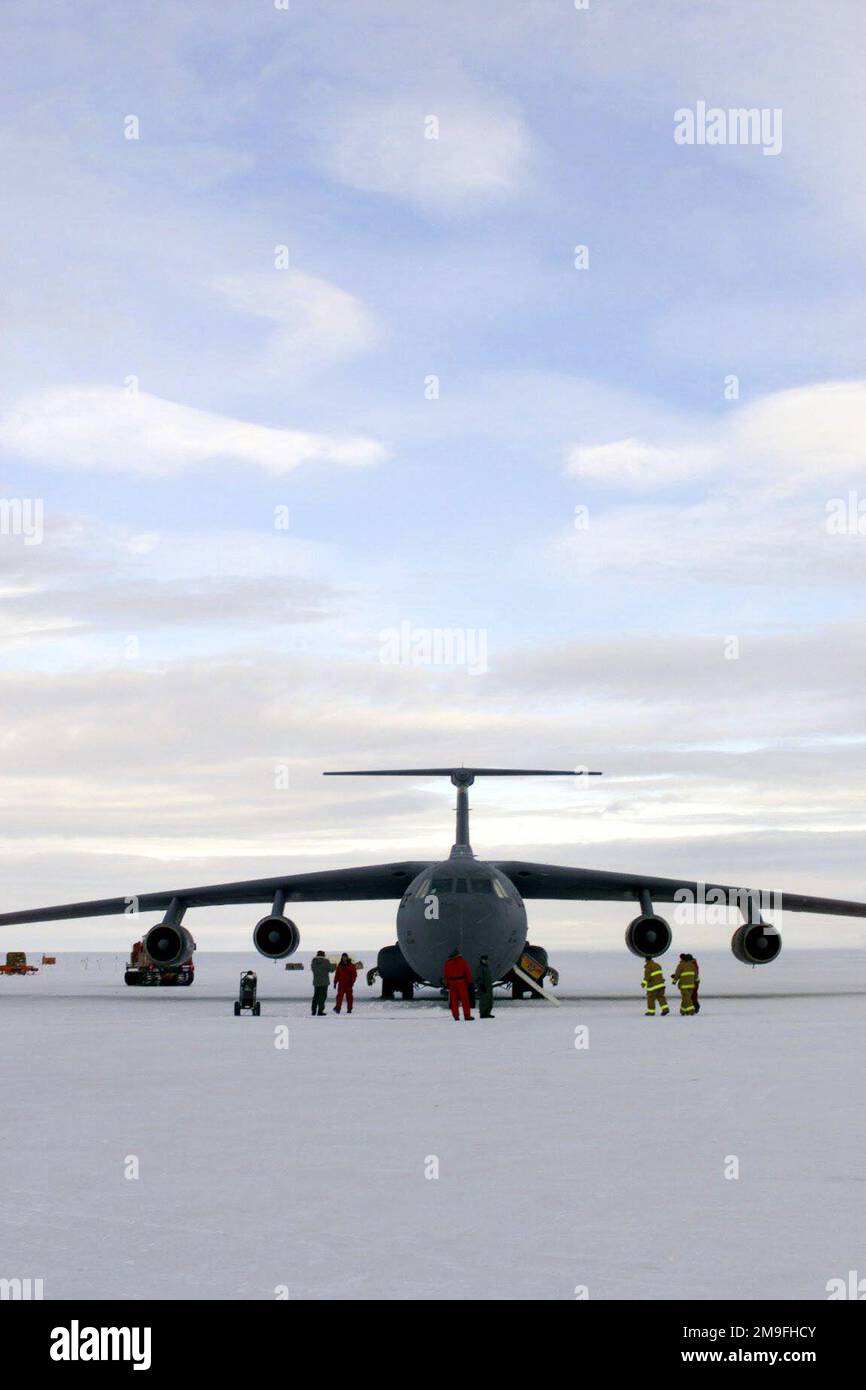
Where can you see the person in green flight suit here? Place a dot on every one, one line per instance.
(321, 968)
(484, 987)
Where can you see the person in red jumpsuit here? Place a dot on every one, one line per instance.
(345, 976)
(458, 978)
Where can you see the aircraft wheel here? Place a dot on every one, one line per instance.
(237, 1009)
(257, 1009)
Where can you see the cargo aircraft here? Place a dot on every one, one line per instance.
(474, 905)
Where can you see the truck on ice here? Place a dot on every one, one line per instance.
(142, 970)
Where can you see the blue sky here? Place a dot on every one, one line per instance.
(166, 385)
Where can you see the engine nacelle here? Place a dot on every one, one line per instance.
(648, 935)
(168, 944)
(276, 937)
(756, 943)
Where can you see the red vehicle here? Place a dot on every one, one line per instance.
(141, 970)
(16, 964)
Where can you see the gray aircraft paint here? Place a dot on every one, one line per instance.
(468, 921)
(430, 925)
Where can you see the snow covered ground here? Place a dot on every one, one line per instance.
(558, 1166)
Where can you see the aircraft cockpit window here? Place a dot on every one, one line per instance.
(482, 885)
(461, 886)
(442, 885)
(498, 889)
(423, 889)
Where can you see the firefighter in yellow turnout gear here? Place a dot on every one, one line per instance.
(686, 976)
(654, 983)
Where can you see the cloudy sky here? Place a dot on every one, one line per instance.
(331, 323)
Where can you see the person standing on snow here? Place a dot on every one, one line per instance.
(686, 976)
(458, 978)
(654, 983)
(695, 1000)
(484, 982)
(345, 976)
(321, 968)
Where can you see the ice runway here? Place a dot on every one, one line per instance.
(307, 1168)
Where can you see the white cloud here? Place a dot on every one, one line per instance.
(780, 505)
(481, 150)
(90, 583)
(633, 464)
(809, 434)
(787, 440)
(315, 323)
(102, 428)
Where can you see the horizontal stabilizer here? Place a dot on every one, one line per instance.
(467, 774)
(462, 778)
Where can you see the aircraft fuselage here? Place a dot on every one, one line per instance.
(461, 904)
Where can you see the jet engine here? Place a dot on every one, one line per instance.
(648, 935)
(275, 937)
(756, 943)
(168, 944)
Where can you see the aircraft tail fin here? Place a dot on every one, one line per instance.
(462, 778)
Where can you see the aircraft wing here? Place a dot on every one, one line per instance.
(333, 885)
(558, 881)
